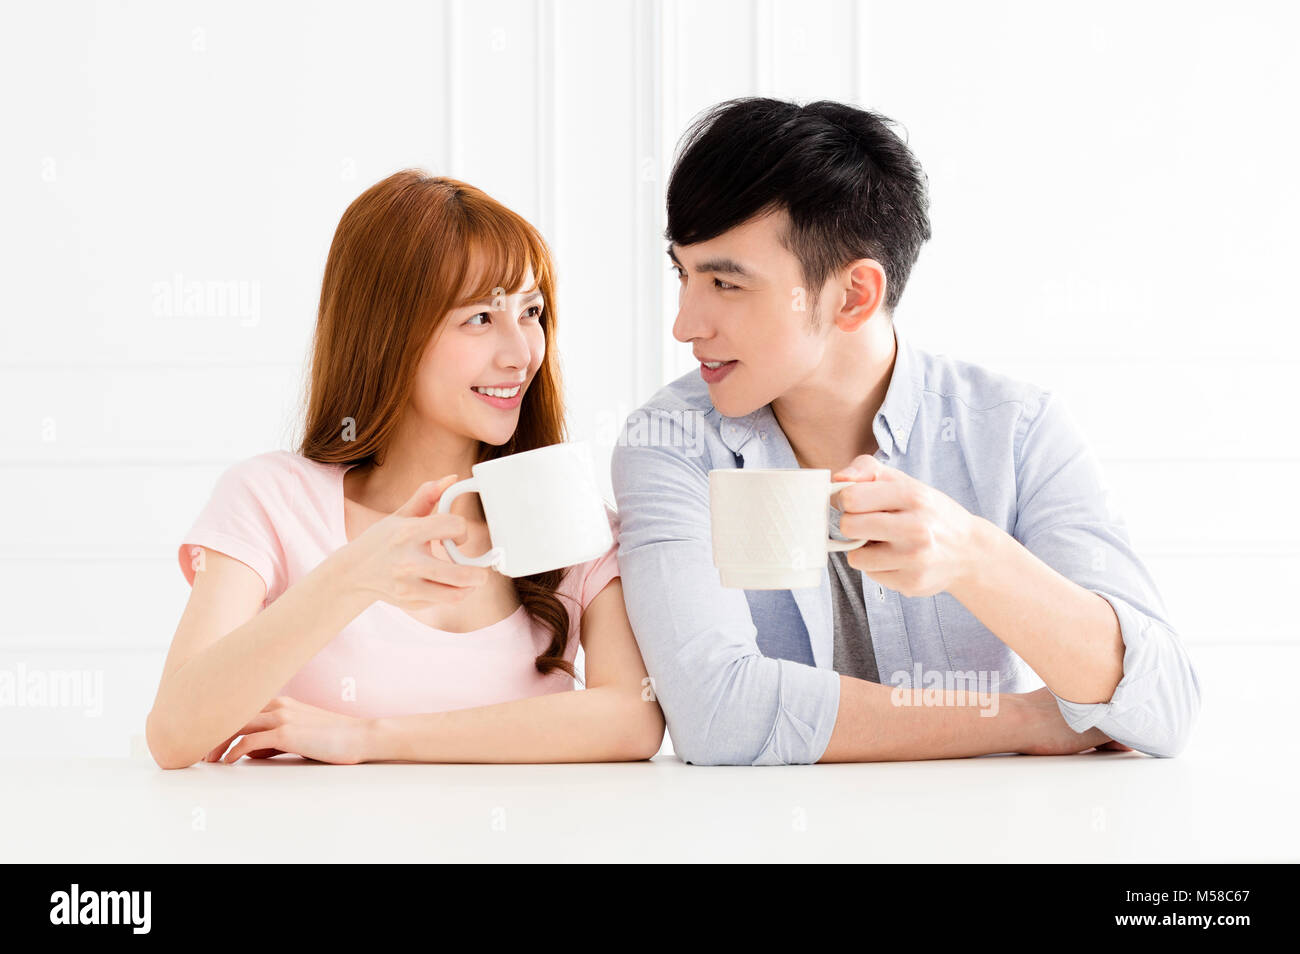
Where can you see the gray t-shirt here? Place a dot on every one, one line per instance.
(854, 654)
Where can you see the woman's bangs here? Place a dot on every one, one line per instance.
(500, 252)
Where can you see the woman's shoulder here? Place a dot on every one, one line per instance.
(612, 516)
(261, 507)
(584, 581)
(279, 475)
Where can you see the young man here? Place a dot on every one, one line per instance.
(995, 548)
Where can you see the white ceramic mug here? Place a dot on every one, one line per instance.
(543, 510)
(771, 527)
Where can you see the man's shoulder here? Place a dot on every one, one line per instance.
(686, 393)
(976, 386)
(682, 405)
(679, 422)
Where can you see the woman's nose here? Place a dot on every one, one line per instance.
(514, 351)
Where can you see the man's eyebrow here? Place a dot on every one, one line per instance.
(724, 266)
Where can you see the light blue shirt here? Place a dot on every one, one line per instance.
(744, 676)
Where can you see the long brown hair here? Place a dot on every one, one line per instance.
(398, 264)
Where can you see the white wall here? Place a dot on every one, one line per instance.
(1113, 196)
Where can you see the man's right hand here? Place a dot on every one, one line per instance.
(1047, 734)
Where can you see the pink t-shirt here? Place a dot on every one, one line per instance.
(282, 514)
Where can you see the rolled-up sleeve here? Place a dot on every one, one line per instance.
(1066, 517)
(725, 703)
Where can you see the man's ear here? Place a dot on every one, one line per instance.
(862, 284)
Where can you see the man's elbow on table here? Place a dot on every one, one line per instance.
(696, 738)
(1161, 726)
(1156, 704)
(1167, 745)
(1180, 731)
(697, 749)
(736, 725)
(714, 748)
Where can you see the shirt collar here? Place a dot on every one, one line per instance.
(893, 424)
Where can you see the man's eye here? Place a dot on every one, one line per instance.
(725, 286)
(681, 273)
(481, 314)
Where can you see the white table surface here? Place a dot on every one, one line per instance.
(1230, 797)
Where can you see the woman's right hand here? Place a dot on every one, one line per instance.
(394, 559)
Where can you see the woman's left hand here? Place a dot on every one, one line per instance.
(288, 726)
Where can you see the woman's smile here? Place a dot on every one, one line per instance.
(506, 398)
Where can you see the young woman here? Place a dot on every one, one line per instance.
(325, 618)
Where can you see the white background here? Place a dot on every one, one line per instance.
(1113, 200)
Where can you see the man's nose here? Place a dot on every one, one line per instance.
(689, 323)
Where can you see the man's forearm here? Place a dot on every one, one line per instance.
(1067, 634)
(879, 723)
(601, 724)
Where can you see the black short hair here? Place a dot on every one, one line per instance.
(851, 186)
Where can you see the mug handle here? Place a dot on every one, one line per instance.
(839, 546)
(467, 486)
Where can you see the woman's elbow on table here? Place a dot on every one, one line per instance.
(642, 730)
(160, 746)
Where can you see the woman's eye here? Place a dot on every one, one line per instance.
(481, 314)
(534, 312)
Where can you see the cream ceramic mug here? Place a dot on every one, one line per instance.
(771, 526)
(543, 510)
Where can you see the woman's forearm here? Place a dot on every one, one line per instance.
(215, 693)
(602, 724)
